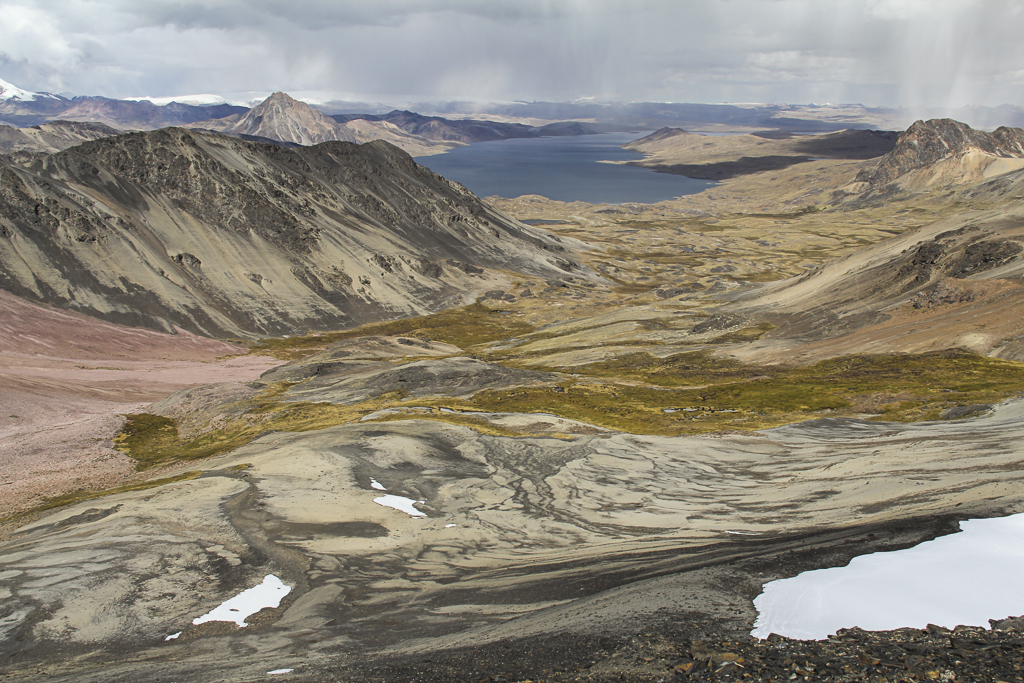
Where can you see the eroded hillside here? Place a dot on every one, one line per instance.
(228, 238)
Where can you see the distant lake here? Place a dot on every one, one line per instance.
(563, 168)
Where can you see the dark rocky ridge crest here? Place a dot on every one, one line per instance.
(230, 238)
(928, 142)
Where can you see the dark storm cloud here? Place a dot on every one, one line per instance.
(909, 52)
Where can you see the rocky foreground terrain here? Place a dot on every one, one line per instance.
(587, 473)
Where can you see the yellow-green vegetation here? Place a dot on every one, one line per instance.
(687, 393)
(152, 440)
(463, 327)
(693, 392)
(682, 369)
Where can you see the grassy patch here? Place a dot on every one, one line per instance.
(681, 369)
(686, 393)
(695, 392)
(763, 276)
(464, 327)
(152, 440)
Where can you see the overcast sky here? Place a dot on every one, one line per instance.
(876, 52)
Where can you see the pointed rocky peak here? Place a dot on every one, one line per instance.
(280, 117)
(928, 142)
(282, 104)
(281, 97)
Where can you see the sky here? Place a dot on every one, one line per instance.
(910, 53)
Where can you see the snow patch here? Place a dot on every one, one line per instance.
(964, 578)
(374, 484)
(9, 91)
(276, 672)
(173, 636)
(248, 602)
(399, 503)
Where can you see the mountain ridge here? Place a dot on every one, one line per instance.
(926, 144)
(224, 237)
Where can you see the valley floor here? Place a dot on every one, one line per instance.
(610, 465)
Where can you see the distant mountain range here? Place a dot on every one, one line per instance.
(801, 118)
(21, 108)
(279, 119)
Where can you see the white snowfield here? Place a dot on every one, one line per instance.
(248, 602)
(964, 578)
(405, 505)
(9, 91)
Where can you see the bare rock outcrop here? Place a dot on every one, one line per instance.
(927, 143)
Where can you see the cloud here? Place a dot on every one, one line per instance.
(889, 52)
(33, 44)
(902, 9)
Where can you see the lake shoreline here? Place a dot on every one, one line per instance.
(588, 168)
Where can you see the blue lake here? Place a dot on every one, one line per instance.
(562, 168)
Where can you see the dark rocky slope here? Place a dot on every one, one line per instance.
(230, 238)
(927, 142)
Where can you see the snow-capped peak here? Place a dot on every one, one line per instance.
(13, 92)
